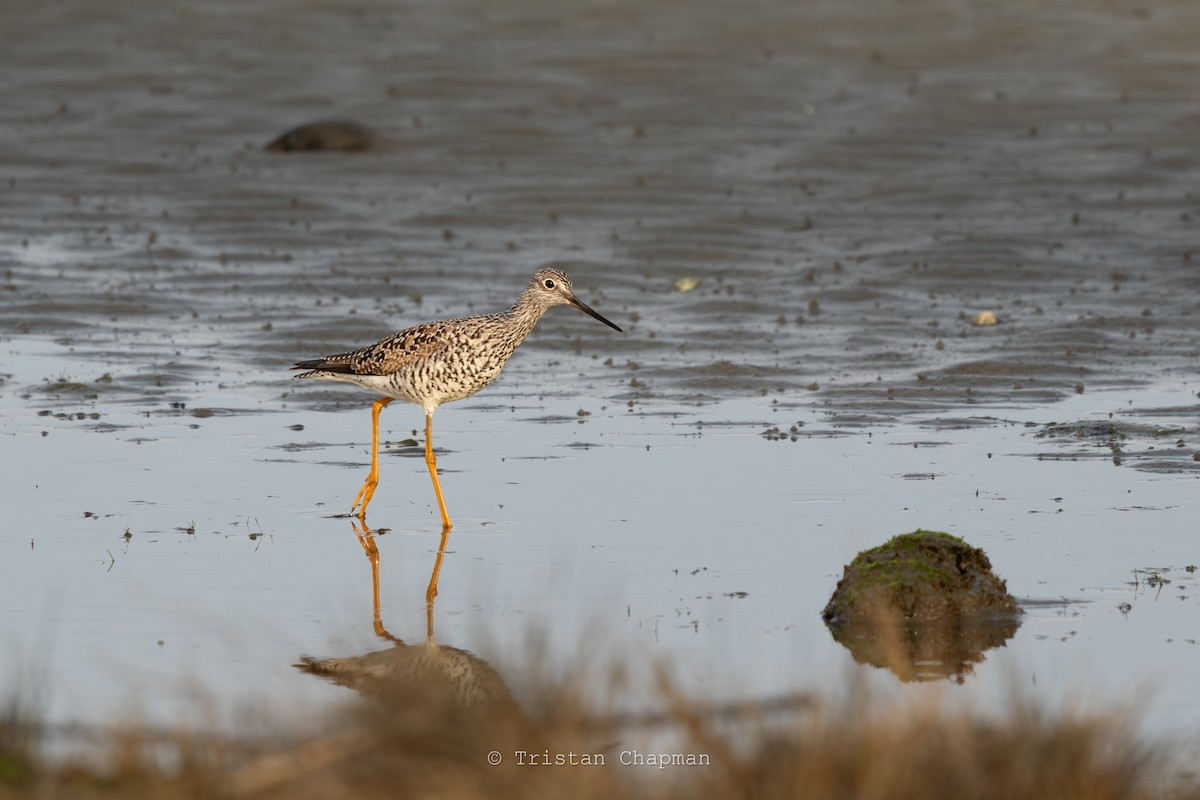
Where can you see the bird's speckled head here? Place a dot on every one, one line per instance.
(551, 287)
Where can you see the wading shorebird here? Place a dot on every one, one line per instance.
(442, 361)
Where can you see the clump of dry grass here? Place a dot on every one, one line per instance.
(419, 739)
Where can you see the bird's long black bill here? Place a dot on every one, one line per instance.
(585, 308)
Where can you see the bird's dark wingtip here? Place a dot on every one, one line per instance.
(322, 365)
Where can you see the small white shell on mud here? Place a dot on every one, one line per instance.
(686, 284)
(985, 318)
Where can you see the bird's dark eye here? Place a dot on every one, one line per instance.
(548, 283)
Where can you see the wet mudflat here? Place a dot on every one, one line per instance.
(795, 211)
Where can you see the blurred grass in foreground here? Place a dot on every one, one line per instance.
(419, 738)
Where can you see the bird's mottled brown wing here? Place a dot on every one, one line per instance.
(387, 356)
(402, 349)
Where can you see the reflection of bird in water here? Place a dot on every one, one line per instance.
(429, 669)
(436, 716)
(428, 705)
(469, 680)
(439, 362)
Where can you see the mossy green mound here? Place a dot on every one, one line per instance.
(923, 575)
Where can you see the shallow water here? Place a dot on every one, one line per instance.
(846, 188)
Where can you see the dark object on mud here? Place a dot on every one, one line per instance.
(332, 135)
(925, 604)
(923, 575)
(1151, 447)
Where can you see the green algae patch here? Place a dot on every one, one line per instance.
(923, 575)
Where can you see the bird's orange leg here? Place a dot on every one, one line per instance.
(368, 487)
(431, 462)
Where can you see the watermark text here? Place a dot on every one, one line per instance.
(626, 758)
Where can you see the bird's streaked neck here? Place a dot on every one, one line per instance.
(525, 313)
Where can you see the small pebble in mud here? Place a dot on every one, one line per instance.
(331, 135)
(985, 318)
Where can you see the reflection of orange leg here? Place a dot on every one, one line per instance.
(431, 462)
(367, 539)
(368, 488)
(432, 590)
